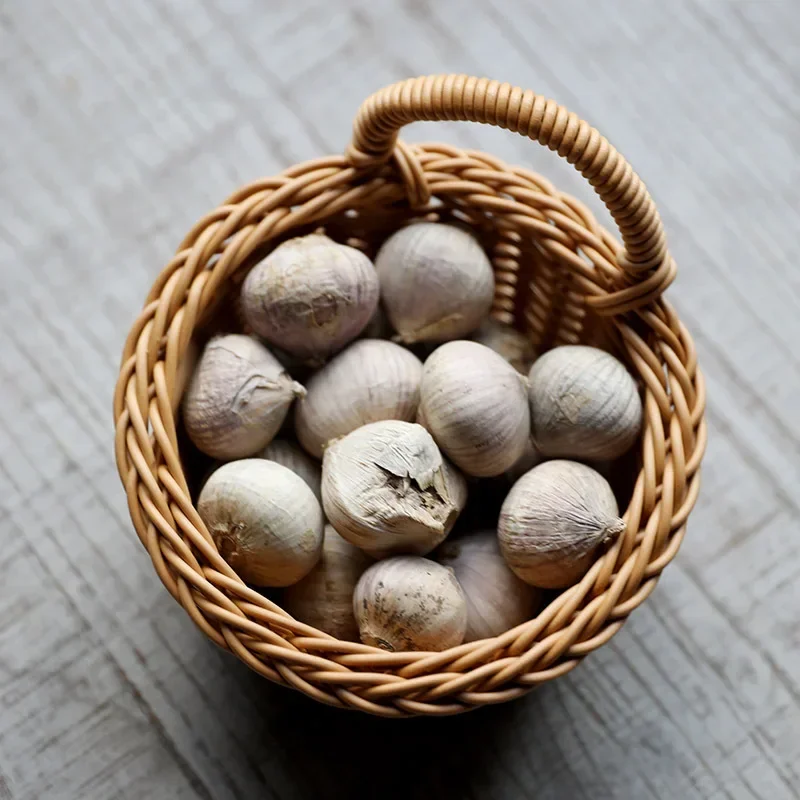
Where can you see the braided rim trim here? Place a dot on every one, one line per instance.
(345, 674)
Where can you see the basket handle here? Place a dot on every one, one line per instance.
(460, 97)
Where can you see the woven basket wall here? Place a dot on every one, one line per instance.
(560, 277)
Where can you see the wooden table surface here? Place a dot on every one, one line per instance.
(121, 125)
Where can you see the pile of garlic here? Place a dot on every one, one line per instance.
(345, 491)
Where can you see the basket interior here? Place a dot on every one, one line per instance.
(534, 293)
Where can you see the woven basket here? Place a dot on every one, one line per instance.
(560, 277)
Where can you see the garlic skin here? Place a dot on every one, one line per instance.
(410, 603)
(387, 489)
(311, 296)
(497, 600)
(238, 397)
(584, 404)
(264, 519)
(369, 381)
(475, 404)
(437, 283)
(289, 455)
(553, 520)
(324, 598)
(513, 345)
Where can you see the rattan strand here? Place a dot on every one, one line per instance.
(560, 277)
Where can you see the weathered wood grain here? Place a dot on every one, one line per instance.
(120, 129)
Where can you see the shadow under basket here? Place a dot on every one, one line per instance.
(560, 277)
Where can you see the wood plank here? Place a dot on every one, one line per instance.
(72, 725)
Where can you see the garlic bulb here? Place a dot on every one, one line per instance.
(476, 406)
(238, 397)
(324, 598)
(437, 283)
(410, 603)
(369, 381)
(387, 489)
(513, 345)
(553, 520)
(584, 404)
(264, 519)
(311, 296)
(289, 455)
(497, 600)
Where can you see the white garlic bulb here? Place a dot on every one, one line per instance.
(475, 404)
(324, 598)
(410, 603)
(238, 397)
(289, 455)
(553, 520)
(497, 600)
(437, 283)
(369, 381)
(311, 296)
(513, 345)
(264, 519)
(387, 489)
(584, 404)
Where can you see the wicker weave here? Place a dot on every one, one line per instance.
(560, 277)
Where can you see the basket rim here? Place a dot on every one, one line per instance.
(355, 675)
